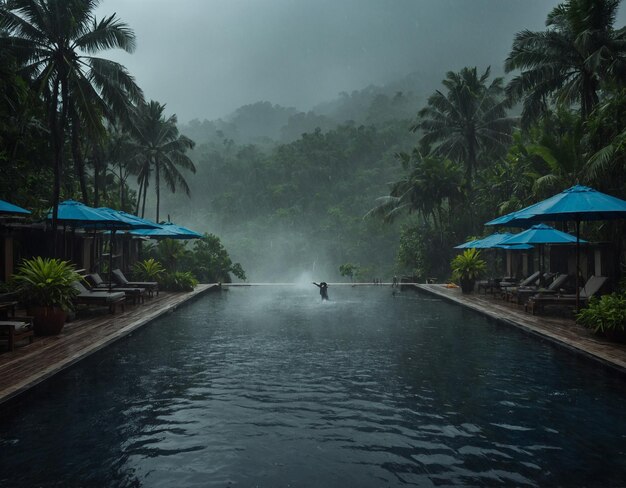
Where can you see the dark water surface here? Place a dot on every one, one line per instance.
(269, 387)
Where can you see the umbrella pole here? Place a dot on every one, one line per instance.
(111, 260)
(577, 262)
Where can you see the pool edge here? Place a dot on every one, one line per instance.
(580, 348)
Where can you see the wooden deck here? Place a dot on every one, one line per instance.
(30, 364)
(559, 330)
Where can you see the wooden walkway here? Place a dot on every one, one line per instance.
(29, 364)
(558, 330)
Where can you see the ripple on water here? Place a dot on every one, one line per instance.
(269, 387)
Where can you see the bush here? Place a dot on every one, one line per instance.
(178, 281)
(605, 314)
(148, 270)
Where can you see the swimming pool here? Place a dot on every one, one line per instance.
(268, 386)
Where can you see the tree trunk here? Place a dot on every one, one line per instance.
(122, 181)
(57, 133)
(54, 139)
(589, 96)
(143, 208)
(158, 189)
(139, 193)
(96, 176)
(79, 162)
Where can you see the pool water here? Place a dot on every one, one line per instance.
(270, 387)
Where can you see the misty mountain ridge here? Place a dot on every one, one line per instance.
(265, 124)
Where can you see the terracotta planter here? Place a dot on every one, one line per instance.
(48, 320)
(467, 285)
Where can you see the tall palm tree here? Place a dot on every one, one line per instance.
(568, 62)
(54, 41)
(469, 121)
(162, 151)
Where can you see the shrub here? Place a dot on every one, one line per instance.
(604, 314)
(178, 281)
(148, 270)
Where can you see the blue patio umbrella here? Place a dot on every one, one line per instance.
(467, 245)
(159, 233)
(10, 209)
(77, 214)
(184, 232)
(578, 203)
(168, 230)
(128, 221)
(541, 234)
(493, 241)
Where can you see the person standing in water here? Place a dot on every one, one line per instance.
(323, 286)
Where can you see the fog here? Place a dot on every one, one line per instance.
(314, 65)
(205, 58)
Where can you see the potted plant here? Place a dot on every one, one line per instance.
(46, 287)
(467, 267)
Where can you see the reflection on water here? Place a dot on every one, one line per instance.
(269, 386)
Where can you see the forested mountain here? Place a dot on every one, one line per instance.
(285, 207)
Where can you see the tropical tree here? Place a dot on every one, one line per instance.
(607, 133)
(162, 151)
(120, 153)
(568, 62)
(53, 42)
(469, 122)
(430, 186)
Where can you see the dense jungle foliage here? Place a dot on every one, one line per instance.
(387, 179)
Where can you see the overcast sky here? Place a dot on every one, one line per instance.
(205, 58)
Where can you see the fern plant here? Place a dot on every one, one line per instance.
(178, 281)
(148, 270)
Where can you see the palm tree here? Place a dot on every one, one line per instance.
(120, 153)
(568, 62)
(54, 41)
(162, 150)
(467, 123)
(430, 186)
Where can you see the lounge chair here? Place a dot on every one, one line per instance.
(16, 330)
(120, 279)
(112, 300)
(593, 286)
(490, 285)
(135, 293)
(507, 286)
(523, 293)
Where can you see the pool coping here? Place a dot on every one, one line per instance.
(23, 356)
(608, 354)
